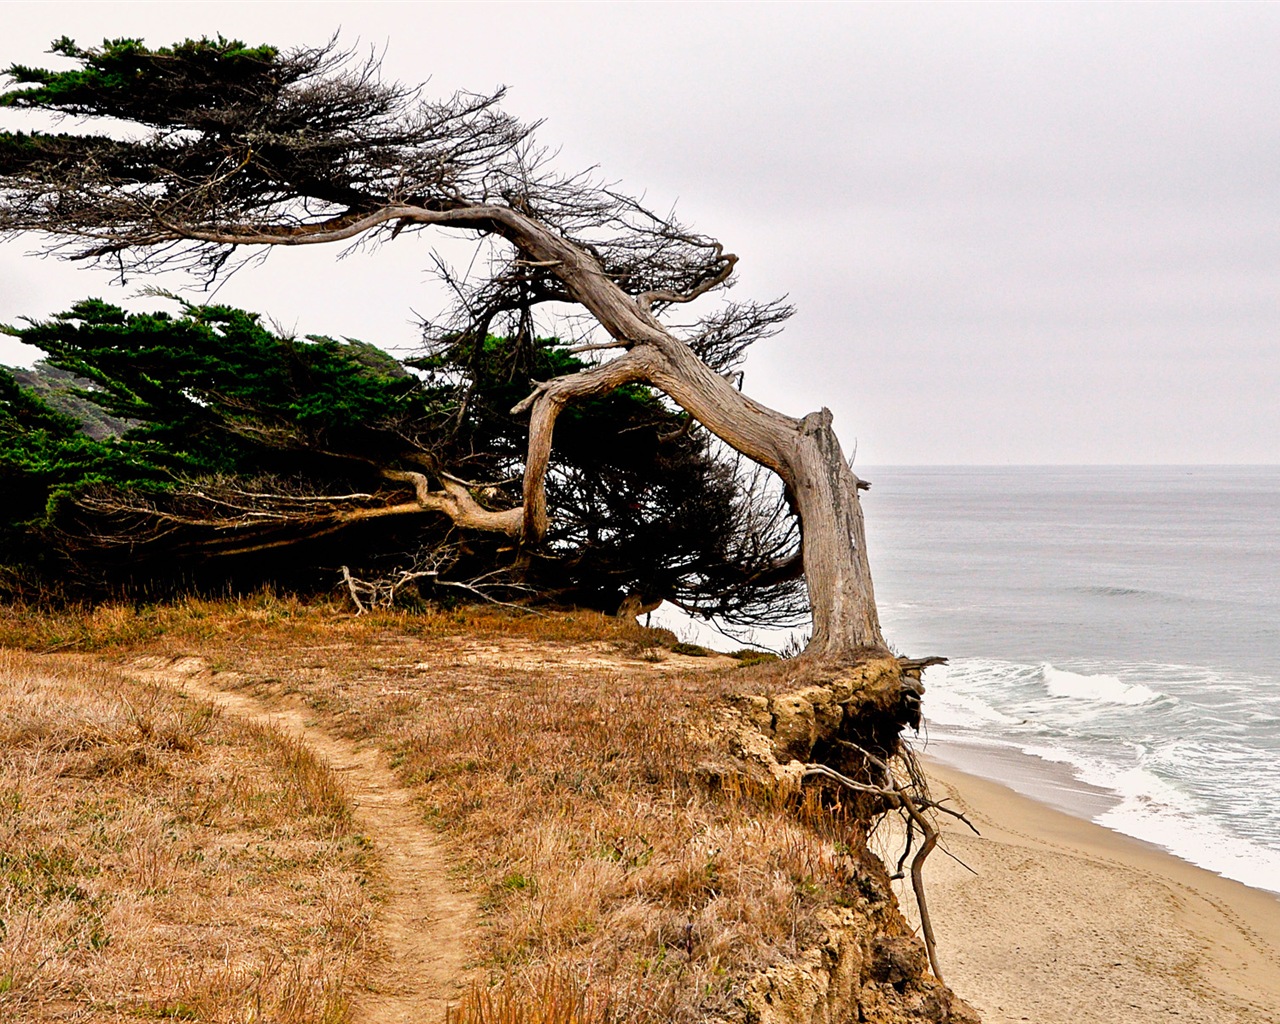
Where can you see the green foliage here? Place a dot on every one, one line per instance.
(212, 111)
(45, 458)
(211, 402)
(124, 78)
(224, 394)
(207, 394)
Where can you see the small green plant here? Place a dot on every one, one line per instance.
(177, 1011)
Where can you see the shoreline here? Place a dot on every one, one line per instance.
(1056, 785)
(1063, 920)
(1030, 775)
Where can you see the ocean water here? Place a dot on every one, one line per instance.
(1116, 629)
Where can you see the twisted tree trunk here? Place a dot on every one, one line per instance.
(805, 453)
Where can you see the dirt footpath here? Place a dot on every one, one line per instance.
(425, 922)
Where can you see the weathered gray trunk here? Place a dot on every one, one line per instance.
(804, 453)
(836, 570)
(807, 457)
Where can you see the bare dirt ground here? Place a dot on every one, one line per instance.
(425, 920)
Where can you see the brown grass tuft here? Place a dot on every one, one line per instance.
(550, 997)
(111, 627)
(157, 860)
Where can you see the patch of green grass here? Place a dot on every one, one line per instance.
(518, 882)
(177, 1011)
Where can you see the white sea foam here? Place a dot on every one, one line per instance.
(1152, 810)
(962, 711)
(1102, 689)
(1086, 769)
(1204, 795)
(950, 703)
(1155, 811)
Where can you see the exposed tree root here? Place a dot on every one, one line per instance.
(912, 800)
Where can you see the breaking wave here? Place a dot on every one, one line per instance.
(1186, 752)
(1104, 689)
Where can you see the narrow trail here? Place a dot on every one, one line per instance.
(424, 921)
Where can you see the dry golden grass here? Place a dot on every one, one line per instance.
(160, 861)
(124, 626)
(558, 755)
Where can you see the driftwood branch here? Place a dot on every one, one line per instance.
(727, 262)
(356, 588)
(431, 564)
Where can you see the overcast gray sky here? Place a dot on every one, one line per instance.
(1015, 234)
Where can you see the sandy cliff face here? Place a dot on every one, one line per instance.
(868, 966)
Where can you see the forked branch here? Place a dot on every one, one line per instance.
(455, 501)
(429, 566)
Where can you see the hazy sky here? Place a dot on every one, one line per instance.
(1027, 234)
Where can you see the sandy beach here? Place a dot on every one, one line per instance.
(1061, 920)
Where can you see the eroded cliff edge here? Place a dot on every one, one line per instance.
(867, 966)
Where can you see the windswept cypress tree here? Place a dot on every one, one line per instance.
(233, 148)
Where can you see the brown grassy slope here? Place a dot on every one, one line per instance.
(157, 860)
(560, 755)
